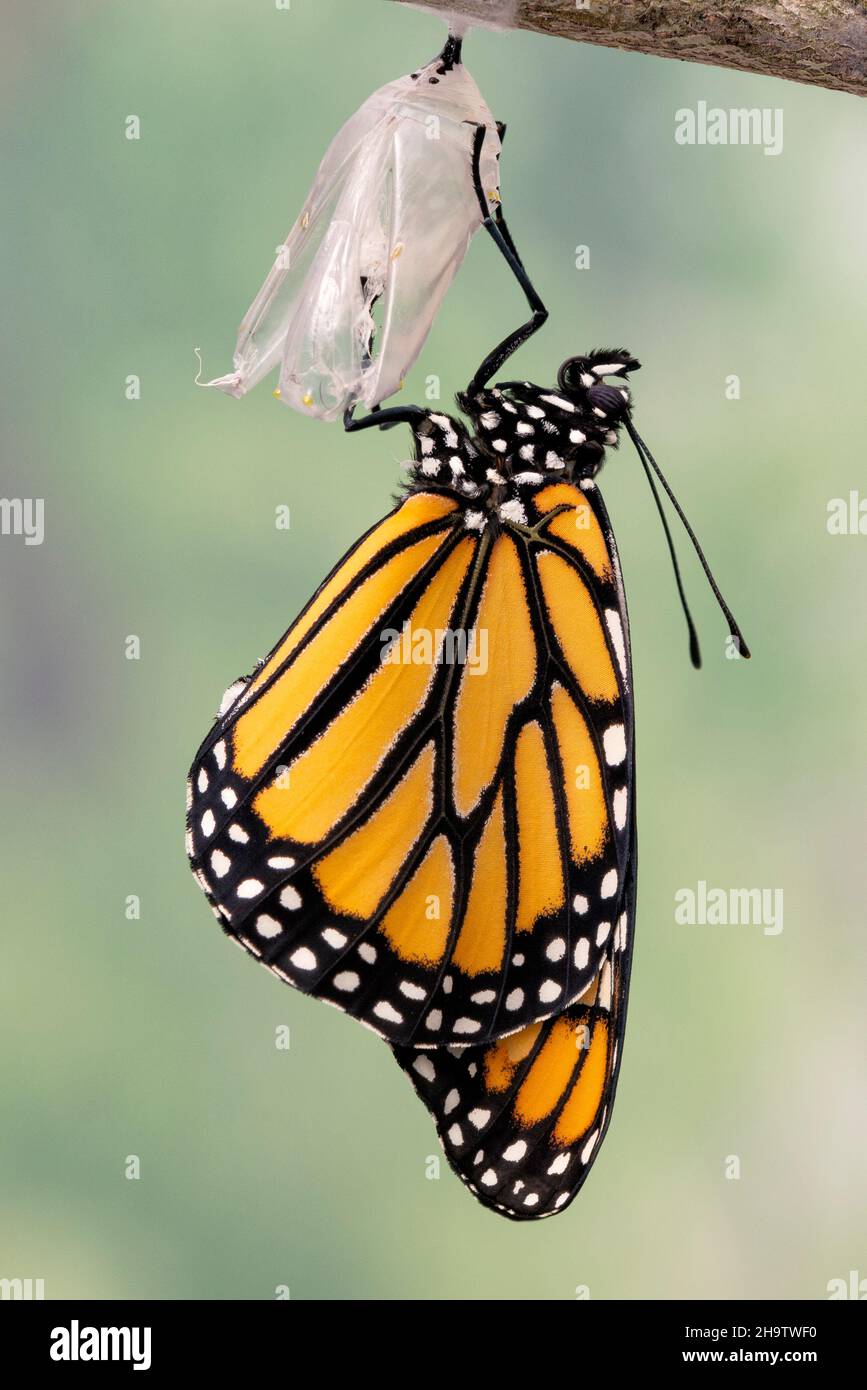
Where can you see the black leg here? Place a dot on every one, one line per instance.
(500, 234)
(411, 415)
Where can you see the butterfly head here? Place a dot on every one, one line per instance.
(582, 380)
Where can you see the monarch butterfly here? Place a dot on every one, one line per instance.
(420, 807)
(443, 846)
(401, 191)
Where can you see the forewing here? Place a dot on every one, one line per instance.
(315, 821)
(431, 843)
(332, 650)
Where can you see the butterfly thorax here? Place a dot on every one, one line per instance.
(523, 438)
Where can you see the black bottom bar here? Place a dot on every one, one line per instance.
(152, 1338)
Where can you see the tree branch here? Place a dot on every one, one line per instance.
(823, 42)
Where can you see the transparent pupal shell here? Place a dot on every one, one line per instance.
(352, 295)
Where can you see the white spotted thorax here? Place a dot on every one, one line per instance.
(524, 437)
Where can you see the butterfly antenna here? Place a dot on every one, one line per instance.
(648, 463)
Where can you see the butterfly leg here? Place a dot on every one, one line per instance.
(499, 232)
(411, 415)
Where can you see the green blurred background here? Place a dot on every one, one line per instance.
(155, 1038)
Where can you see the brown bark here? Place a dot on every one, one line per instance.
(823, 42)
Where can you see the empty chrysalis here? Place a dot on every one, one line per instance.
(350, 299)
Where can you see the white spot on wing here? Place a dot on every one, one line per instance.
(614, 743)
(250, 888)
(220, 863)
(515, 1151)
(467, 1025)
(412, 991)
(604, 997)
(615, 628)
(560, 1164)
(386, 1011)
(303, 959)
(589, 1147)
(484, 996)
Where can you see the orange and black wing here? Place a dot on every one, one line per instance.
(417, 808)
(522, 1120)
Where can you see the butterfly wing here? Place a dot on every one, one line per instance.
(436, 846)
(302, 753)
(522, 1120)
